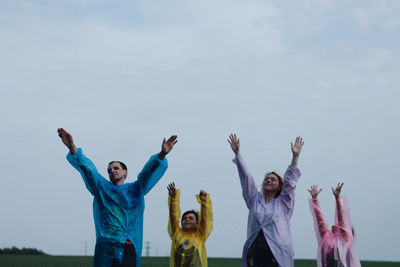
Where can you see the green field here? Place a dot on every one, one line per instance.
(86, 261)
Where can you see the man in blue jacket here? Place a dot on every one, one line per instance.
(118, 206)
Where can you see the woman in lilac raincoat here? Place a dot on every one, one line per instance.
(336, 247)
(269, 241)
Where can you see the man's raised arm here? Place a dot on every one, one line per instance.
(154, 169)
(80, 162)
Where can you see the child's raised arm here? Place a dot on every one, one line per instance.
(206, 215)
(321, 227)
(174, 209)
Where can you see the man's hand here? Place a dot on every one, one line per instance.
(67, 139)
(235, 143)
(203, 195)
(336, 192)
(167, 146)
(171, 189)
(314, 191)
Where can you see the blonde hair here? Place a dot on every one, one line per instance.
(280, 178)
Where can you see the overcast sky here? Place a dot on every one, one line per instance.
(122, 75)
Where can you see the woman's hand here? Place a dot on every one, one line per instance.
(235, 143)
(296, 149)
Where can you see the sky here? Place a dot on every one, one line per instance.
(121, 76)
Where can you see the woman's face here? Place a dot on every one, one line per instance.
(271, 183)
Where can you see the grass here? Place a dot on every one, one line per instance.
(87, 261)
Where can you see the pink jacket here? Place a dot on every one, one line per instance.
(341, 241)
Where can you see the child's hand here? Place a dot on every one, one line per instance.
(314, 191)
(203, 195)
(171, 189)
(336, 192)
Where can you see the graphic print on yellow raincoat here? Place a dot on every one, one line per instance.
(189, 250)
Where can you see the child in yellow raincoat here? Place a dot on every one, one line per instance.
(188, 242)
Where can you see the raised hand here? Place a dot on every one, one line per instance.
(336, 192)
(314, 191)
(67, 139)
(235, 143)
(167, 146)
(171, 189)
(203, 195)
(296, 149)
(297, 146)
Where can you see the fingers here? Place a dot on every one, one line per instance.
(339, 186)
(233, 138)
(314, 190)
(234, 141)
(61, 132)
(168, 145)
(203, 194)
(171, 186)
(298, 142)
(173, 138)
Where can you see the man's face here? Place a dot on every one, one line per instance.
(116, 173)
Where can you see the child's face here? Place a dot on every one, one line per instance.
(189, 223)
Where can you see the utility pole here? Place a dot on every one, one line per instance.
(147, 248)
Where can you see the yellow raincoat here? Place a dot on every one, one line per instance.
(189, 250)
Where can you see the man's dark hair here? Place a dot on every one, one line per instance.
(121, 163)
(196, 214)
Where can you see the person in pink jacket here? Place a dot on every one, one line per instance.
(335, 246)
(269, 241)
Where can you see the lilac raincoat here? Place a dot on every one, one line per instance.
(272, 218)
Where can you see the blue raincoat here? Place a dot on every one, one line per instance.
(117, 210)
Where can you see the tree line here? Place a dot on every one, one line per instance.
(22, 251)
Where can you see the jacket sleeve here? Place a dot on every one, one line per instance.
(206, 216)
(320, 225)
(87, 169)
(342, 218)
(174, 213)
(249, 189)
(152, 172)
(291, 177)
